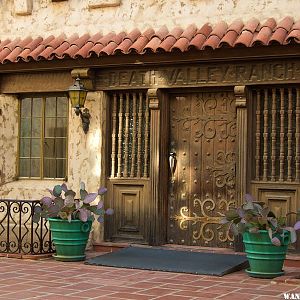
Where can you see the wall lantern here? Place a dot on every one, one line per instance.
(77, 95)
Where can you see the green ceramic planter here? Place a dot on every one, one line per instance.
(265, 259)
(70, 239)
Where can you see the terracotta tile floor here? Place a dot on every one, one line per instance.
(48, 279)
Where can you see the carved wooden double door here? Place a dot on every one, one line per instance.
(202, 167)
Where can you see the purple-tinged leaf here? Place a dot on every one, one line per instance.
(59, 202)
(46, 201)
(248, 205)
(275, 241)
(53, 211)
(83, 194)
(83, 215)
(100, 219)
(273, 222)
(37, 209)
(102, 191)
(234, 229)
(78, 204)
(90, 198)
(297, 226)
(231, 214)
(64, 187)
(249, 198)
(57, 190)
(265, 211)
(82, 185)
(63, 215)
(100, 211)
(36, 217)
(109, 211)
(69, 200)
(293, 233)
(224, 221)
(70, 193)
(100, 204)
(241, 212)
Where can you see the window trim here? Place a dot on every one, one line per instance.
(43, 96)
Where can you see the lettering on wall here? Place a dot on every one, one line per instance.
(206, 74)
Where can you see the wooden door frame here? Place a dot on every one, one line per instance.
(159, 174)
(159, 103)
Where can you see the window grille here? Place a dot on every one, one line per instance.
(130, 135)
(277, 134)
(43, 137)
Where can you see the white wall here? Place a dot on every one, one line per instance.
(76, 16)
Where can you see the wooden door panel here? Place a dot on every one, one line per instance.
(128, 221)
(130, 206)
(203, 134)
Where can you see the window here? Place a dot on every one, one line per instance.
(43, 137)
(130, 135)
(277, 135)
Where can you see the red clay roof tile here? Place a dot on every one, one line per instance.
(231, 35)
(197, 42)
(236, 26)
(286, 23)
(229, 39)
(212, 42)
(113, 44)
(183, 42)
(244, 39)
(142, 41)
(251, 25)
(60, 51)
(170, 40)
(264, 34)
(76, 46)
(278, 36)
(17, 50)
(294, 35)
(24, 55)
(128, 41)
(84, 50)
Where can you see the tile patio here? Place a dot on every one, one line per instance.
(47, 279)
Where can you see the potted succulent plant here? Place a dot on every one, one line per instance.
(265, 236)
(71, 219)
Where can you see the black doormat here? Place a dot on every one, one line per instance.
(172, 261)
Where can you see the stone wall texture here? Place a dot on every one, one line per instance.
(91, 16)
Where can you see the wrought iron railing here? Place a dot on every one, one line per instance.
(18, 233)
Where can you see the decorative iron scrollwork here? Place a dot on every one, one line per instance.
(18, 233)
(204, 131)
(204, 220)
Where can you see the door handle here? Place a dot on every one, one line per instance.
(172, 163)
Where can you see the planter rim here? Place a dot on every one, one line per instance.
(61, 220)
(262, 231)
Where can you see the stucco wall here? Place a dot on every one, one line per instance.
(84, 154)
(8, 139)
(74, 16)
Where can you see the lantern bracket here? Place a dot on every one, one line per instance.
(85, 118)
